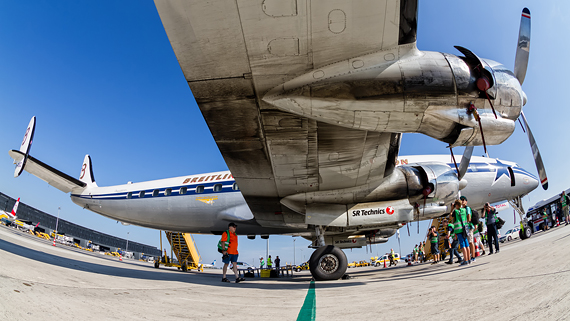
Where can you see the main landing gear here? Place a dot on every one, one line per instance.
(328, 262)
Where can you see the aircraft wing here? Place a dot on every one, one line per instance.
(52, 176)
(233, 52)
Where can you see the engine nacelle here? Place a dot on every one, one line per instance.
(389, 202)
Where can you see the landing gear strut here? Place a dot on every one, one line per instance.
(328, 262)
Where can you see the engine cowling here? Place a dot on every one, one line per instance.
(392, 200)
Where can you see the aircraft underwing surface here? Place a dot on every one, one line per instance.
(233, 52)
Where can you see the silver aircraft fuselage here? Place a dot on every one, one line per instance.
(205, 203)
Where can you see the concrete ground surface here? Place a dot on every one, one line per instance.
(527, 280)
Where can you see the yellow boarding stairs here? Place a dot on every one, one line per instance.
(438, 223)
(184, 247)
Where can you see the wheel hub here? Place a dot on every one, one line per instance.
(328, 263)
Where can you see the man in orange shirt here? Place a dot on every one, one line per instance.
(230, 254)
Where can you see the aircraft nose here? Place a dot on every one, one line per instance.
(529, 183)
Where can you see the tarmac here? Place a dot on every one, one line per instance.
(527, 280)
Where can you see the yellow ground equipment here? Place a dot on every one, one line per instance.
(183, 246)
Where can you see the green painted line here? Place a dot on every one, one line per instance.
(309, 309)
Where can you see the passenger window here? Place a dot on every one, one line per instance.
(235, 187)
(168, 191)
(129, 195)
(218, 188)
(183, 190)
(512, 176)
(200, 189)
(155, 193)
(141, 194)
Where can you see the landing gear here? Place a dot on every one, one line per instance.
(328, 263)
(525, 234)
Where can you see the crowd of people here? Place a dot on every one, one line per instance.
(462, 229)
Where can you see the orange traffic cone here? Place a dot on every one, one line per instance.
(557, 222)
(120, 257)
(53, 241)
(384, 263)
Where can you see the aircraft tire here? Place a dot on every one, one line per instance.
(328, 263)
(156, 264)
(527, 233)
(184, 268)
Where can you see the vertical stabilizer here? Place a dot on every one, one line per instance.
(86, 174)
(12, 215)
(25, 147)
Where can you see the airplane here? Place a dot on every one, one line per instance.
(9, 217)
(210, 266)
(308, 110)
(205, 203)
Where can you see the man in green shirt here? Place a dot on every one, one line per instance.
(545, 217)
(459, 221)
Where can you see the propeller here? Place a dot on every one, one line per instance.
(521, 63)
(523, 46)
(484, 77)
(536, 154)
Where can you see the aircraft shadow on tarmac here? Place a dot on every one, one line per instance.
(298, 282)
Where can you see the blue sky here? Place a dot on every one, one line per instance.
(102, 79)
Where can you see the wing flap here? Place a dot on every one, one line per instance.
(52, 176)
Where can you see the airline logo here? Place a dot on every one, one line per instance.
(388, 210)
(199, 179)
(207, 200)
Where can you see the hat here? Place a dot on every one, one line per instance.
(232, 224)
(463, 198)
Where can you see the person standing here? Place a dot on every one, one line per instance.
(277, 262)
(490, 215)
(433, 237)
(269, 263)
(261, 262)
(469, 226)
(421, 251)
(459, 221)
(565, 203)
(415, 252)
(454, 244)
(230, 252)
(545, 217)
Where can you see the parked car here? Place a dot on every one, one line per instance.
(243, 265)
(510, 235)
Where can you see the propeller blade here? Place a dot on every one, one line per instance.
(465, 162)
(523, 46)
(536, 154)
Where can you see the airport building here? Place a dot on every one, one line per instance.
(81, 235)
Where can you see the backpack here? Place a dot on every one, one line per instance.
(221, 247)
(474, 217)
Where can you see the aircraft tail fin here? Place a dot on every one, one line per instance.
(25, 147)
(61, 181)
(86, 174)
(15, 209)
